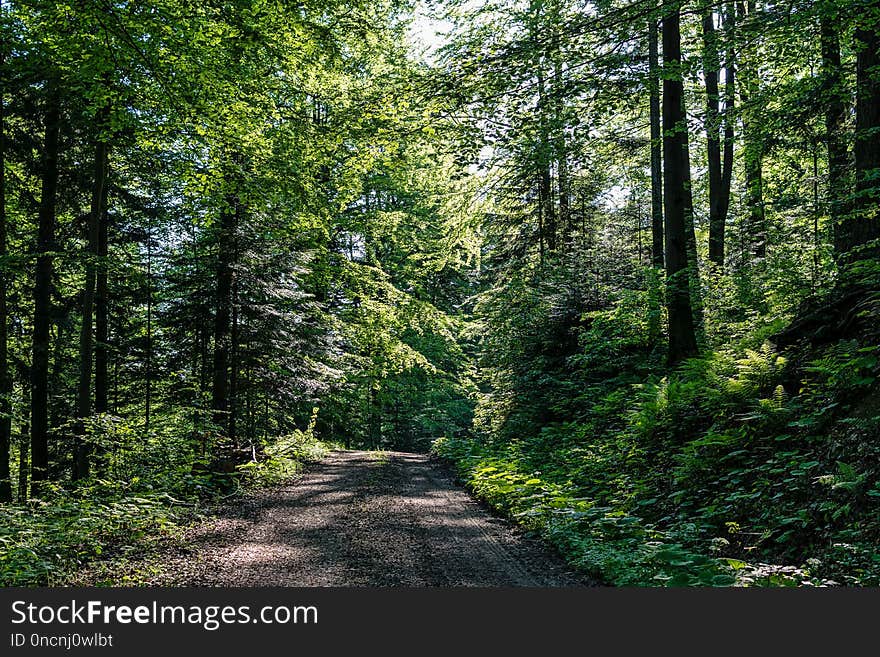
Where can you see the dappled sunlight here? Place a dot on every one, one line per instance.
(356, 520)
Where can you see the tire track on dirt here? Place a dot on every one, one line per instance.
(363, 519)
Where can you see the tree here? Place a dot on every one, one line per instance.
(720, 173)
(753, 147)
(229, 219)
(5, 373)
(86, 344)
(835, 119)
(102, 293)
(656, 148)
(43, 291)
(676, 192)
(861, 227)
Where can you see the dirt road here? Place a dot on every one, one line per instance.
(365, 519)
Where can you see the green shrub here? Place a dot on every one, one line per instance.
(727, 471)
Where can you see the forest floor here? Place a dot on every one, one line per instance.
(356, 519)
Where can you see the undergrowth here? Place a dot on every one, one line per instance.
(46, 541)
(740, 468)
(284, 457)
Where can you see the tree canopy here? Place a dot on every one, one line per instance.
(618, 261)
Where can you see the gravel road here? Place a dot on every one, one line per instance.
(364, 519)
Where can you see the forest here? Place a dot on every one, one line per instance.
(616, 263)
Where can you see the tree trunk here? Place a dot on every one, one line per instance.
(657, 257)
(102, 314)
(676, 191)
(543, 152)
(251, 420)
(43, 294)
(753, 152)
(729, 118)
(148, 365)
(116, 384)
(711, 68)
(205, 363)
(757, 228)
(5, 374)
(690, 235)
(23, 467)
(24, 433)
(561, 147)
(375, 415)
(656, 148)
(862, 226)
(60, 410)
(233, 369)
(222, 317)
(86, 336)
(545, 185)
(835, 118)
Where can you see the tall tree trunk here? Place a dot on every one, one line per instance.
(148, 365)
(60, 411)
(543, 152)
(729, 117)
(375, 415)
(655, 294)
(753, 149)
(116, 383)
(223, 314)
(545, 178)
(116, 360)
(862, 225)
(86, 336)
(656, 148)
(696, 292)
(102, 314)
(676, 191)
(251, 422)
(5, 373)
(561, 147)
(563, 178)
(232, 430)
(102, 307)
(24, 434)
(711, 68)
(835, 119)
(757, 228)
(43, 294)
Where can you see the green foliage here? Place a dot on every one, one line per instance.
(284, 457)
(606, 542)
(44, 542)
(725, 472)
(300, 213)
(144, 487)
